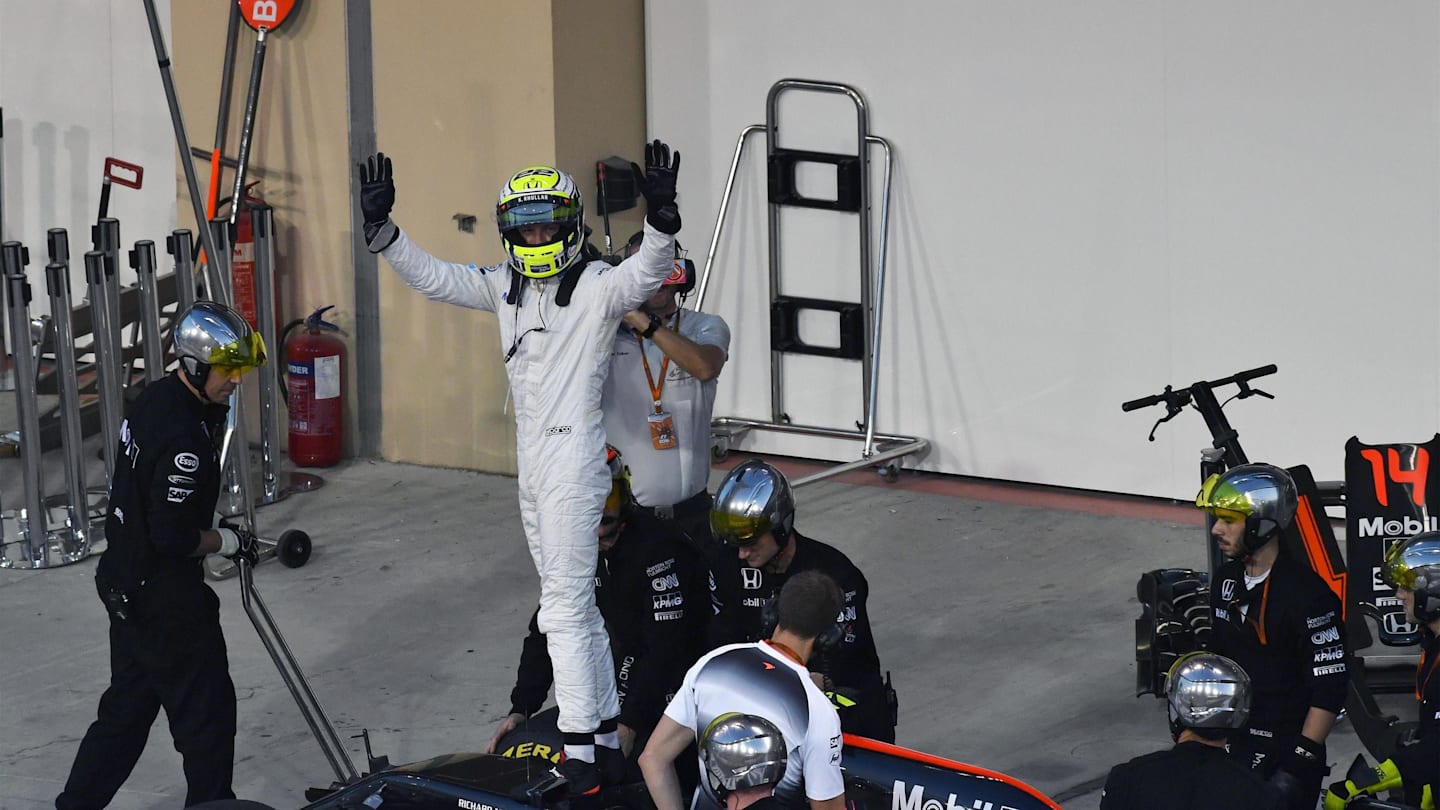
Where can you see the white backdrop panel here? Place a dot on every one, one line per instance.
(79, 82)
(1091, 201)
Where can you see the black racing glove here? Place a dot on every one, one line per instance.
(377, 199)
(1298, 768)
(657, 186)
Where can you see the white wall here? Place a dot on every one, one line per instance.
(79, 82)
(1091, 201)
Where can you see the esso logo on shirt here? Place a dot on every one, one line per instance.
(187, 462)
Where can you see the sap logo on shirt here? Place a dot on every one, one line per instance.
(666, 582)
(1325, 636)
(178, 495)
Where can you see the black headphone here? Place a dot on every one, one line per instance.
(770, 619)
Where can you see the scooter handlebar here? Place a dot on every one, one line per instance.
(1184, 393)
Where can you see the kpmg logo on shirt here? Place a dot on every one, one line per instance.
(667, 600)
(1329, 654)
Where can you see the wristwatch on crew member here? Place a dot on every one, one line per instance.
(655, 323)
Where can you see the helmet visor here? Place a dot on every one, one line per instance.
(738, 530)
(239, 356)
(1396, 570)
(536, 209)
(1221, 499)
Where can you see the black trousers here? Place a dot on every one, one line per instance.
(170, 655)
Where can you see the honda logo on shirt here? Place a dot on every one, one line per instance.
(751, 578)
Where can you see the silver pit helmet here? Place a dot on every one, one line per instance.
(541, 195)
(1414, 565)
(754, 498)
(1261, 495)
(1207, 691)
(212, 334)
(743, 751)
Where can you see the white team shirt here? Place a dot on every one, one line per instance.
(761, 680)
(662, 477)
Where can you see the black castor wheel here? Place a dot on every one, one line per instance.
(293, 548)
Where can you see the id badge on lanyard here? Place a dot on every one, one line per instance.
(662, 425)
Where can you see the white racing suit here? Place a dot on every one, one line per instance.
(559, 357)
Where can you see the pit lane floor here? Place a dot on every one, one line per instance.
(1005, 613)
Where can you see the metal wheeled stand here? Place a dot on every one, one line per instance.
(294, 678)
(40, 545)
(860, 323)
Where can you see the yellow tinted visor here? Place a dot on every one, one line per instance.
(1223, 500)
(1395, 571)
(239, 356)
(738, 530)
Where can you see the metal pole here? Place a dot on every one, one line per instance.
(873, 394)
(104, 354)
(32, 521)
(142, 260)
(227, 79)
(77, 505)
(217, 269)
(234, 450)
(262, 220)
(107, 241)
(252, 97)
(2, 172)
(181, 245)
(724, 207)
(197, 202)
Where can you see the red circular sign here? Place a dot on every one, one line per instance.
(266, 13)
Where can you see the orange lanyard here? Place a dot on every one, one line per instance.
(650, 378)
(1421, 686)
(789, 653)
(1259, 619)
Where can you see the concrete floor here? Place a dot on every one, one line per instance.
(1005, 613)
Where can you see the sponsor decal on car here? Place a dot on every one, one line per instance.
(912, 797)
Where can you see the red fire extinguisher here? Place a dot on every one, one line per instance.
(242, 258)
(314, 362)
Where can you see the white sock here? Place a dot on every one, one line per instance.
(609, 739)
(582, 752)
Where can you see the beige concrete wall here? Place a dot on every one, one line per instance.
(465, 94)
(297, 152)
